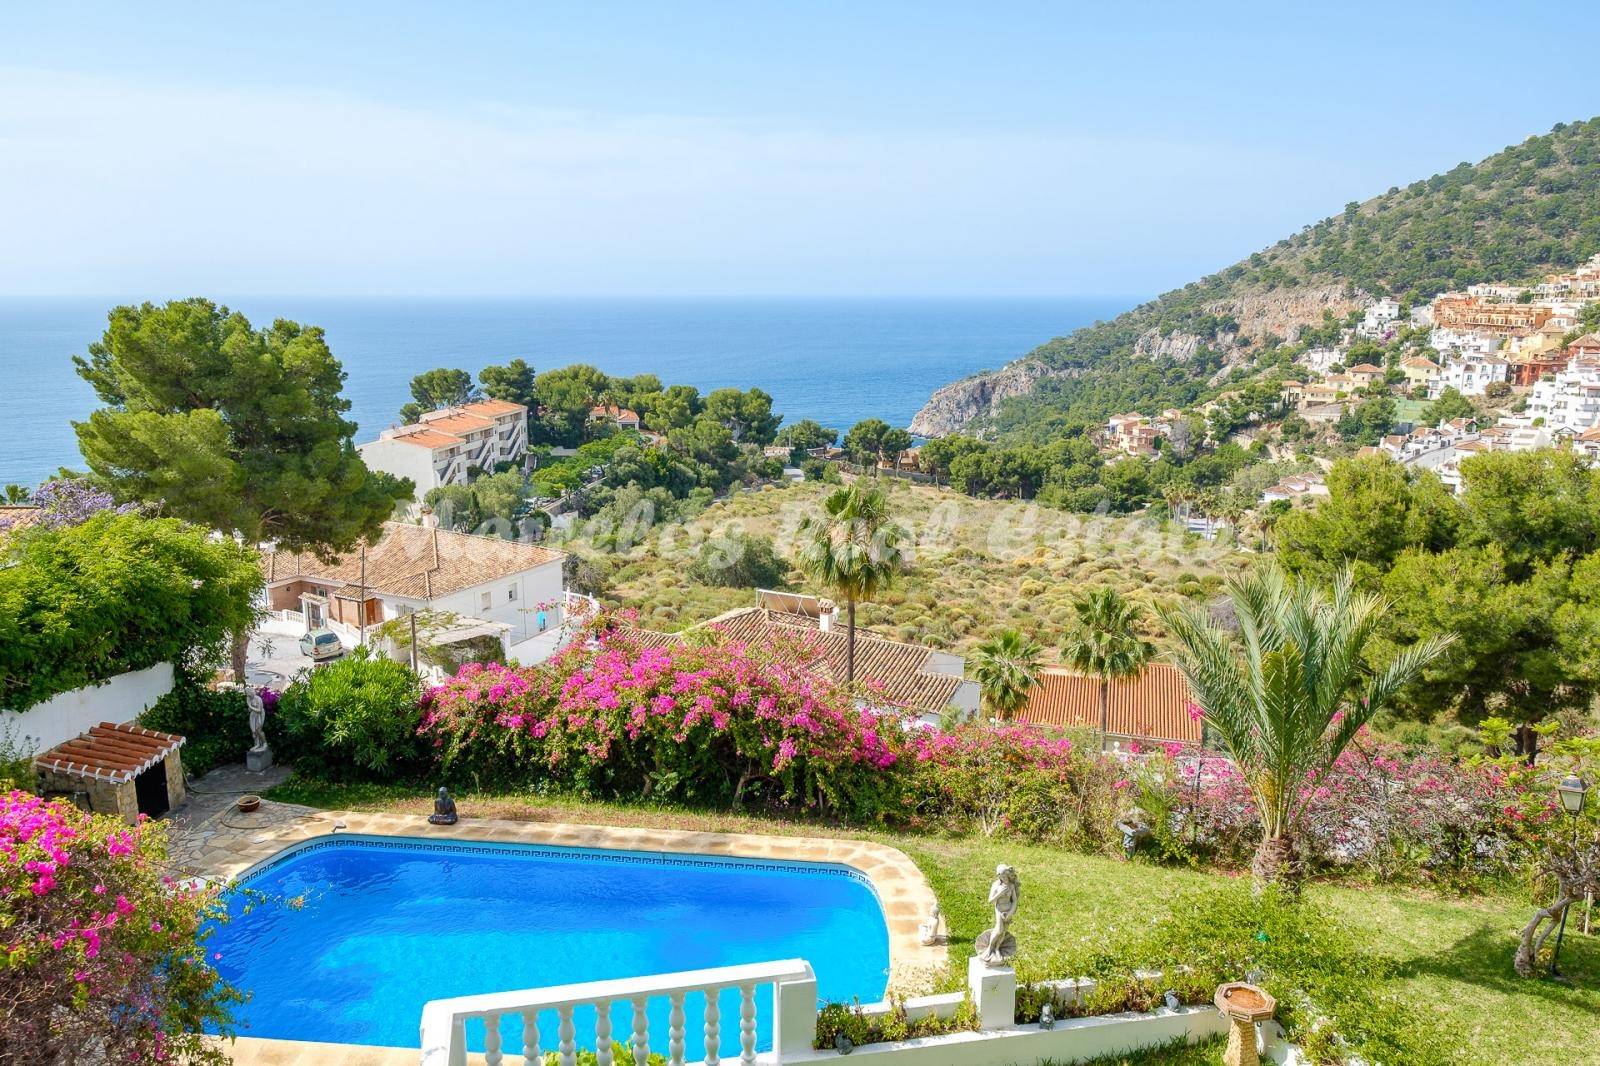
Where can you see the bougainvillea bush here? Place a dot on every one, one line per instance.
(719, 723)
(102, 957)
(1013, 780)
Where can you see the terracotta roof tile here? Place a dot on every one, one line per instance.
(415, 562)
(109, 752)
(1152, 706)
(458, 423)
(427, 438)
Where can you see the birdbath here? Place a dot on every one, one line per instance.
(1243, 1005)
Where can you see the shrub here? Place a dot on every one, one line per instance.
(850, 1020)
(739, 560)
(711, 723)
(104, 951)
(215, 724)
(1014, 779)
(354, 717)
(119, 592)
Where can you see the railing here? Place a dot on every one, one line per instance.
(794, 1006)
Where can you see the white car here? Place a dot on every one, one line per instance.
(321, 644)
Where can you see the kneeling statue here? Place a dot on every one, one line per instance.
(444, 809)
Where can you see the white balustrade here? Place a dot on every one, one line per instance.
(794, 992)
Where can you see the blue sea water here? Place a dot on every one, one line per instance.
(834, 360)
(386, 926)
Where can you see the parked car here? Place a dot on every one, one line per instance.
(320, 644)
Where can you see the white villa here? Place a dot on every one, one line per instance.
(1469, 374)
(494, 587)
(444, 446)
(1568, 399)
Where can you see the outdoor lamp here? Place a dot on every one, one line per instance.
(1573, 790)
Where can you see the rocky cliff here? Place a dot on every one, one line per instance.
(1280, 312)
(958, 405)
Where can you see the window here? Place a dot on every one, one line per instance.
(488, 599)
(511, 593)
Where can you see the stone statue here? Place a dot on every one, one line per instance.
(259, 757)
(444, 809)
(930, 931)
(258, 717)
(996, 946)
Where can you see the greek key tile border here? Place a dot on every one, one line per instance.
(553, 851)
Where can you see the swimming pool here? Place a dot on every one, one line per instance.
(388, 923)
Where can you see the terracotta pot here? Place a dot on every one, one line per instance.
(246, 804)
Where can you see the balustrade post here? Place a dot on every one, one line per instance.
(602, 1033)
(568, 1046)
(531, 1055)
(713, 1028)
(747, 1025)
(491, 1039)
(641, 1031)
(675, 1032)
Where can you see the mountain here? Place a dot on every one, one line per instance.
(1521, 213)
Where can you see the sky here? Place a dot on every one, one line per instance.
(678, 148)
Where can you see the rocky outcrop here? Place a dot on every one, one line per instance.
(1280, 312)
(957, 406)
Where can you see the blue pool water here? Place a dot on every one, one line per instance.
(387, 925)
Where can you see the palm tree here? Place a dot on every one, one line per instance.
(1282, 692)
(855, 549)
(1106, 643)
(1006, 666)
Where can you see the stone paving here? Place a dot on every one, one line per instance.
(208, 838)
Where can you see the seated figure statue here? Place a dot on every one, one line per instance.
(444, 809)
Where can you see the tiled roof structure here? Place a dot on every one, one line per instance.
(416, 562)
(114, 753)
(1154, 705)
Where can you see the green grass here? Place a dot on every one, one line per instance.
(1454, 954)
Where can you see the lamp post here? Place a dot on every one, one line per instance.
(1572, 791)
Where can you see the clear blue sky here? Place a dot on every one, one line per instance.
(732, 148)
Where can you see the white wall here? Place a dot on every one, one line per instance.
(44, 725)
(541, 585)
(401, 460)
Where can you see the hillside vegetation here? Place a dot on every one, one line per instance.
(980, 565)
(1525, 211)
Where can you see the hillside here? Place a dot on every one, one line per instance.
(980, 565)
(1530, 209)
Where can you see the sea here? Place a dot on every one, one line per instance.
(834, 360)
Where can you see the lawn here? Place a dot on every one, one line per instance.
(978, 564)
(1455, 954)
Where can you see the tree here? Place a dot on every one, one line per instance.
(565, 398)
(1450, 405)
(513, 383)
(864, 441)
(1105, 643)
(1375, 509)
(894, 443)
(1006, 667)
(747, 415)
(15, 494)
(739, 560)
(855, 549)
(433, 389)
(1281, 694)
(806, 434)
(675, 407)
(233, 428)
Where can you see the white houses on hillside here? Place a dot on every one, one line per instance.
(444, 446)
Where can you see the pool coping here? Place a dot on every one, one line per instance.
(902, 890)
